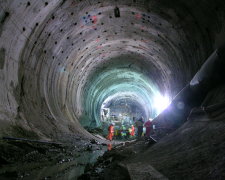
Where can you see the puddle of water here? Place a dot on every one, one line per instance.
(85, 158)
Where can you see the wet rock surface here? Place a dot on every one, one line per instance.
(109, 165)
(36, 160)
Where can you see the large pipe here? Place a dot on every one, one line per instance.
(211, 74)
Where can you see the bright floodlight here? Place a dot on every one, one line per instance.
(160, 103)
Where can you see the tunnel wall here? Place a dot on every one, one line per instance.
(47, 57)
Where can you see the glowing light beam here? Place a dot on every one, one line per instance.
(160, 103)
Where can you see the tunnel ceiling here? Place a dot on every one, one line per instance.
(61, 59)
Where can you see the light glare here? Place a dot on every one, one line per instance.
(160, 103)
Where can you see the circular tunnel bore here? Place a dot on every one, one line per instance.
(121, 79)
(98, 56)
(75, 56)
(66, 65)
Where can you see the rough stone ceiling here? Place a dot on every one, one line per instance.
(61, 59)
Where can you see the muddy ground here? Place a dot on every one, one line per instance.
(21, 159)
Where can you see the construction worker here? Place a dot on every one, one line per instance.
(139, 125)
(123, 132)
(148, 126)
(129, 129)
(132, 133)
(116, 133)
(111, 132)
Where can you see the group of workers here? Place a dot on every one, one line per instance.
(130, 132)
(123, 133)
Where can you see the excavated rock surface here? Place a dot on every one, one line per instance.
(59, 60)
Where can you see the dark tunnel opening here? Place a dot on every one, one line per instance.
(70, 68)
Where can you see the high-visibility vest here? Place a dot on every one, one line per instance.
(111, 129)
(132, 131)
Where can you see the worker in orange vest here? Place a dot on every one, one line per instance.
(111, 132)
(132, 133)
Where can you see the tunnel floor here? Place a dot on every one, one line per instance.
(21, 159)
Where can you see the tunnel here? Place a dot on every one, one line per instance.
(63, 63)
